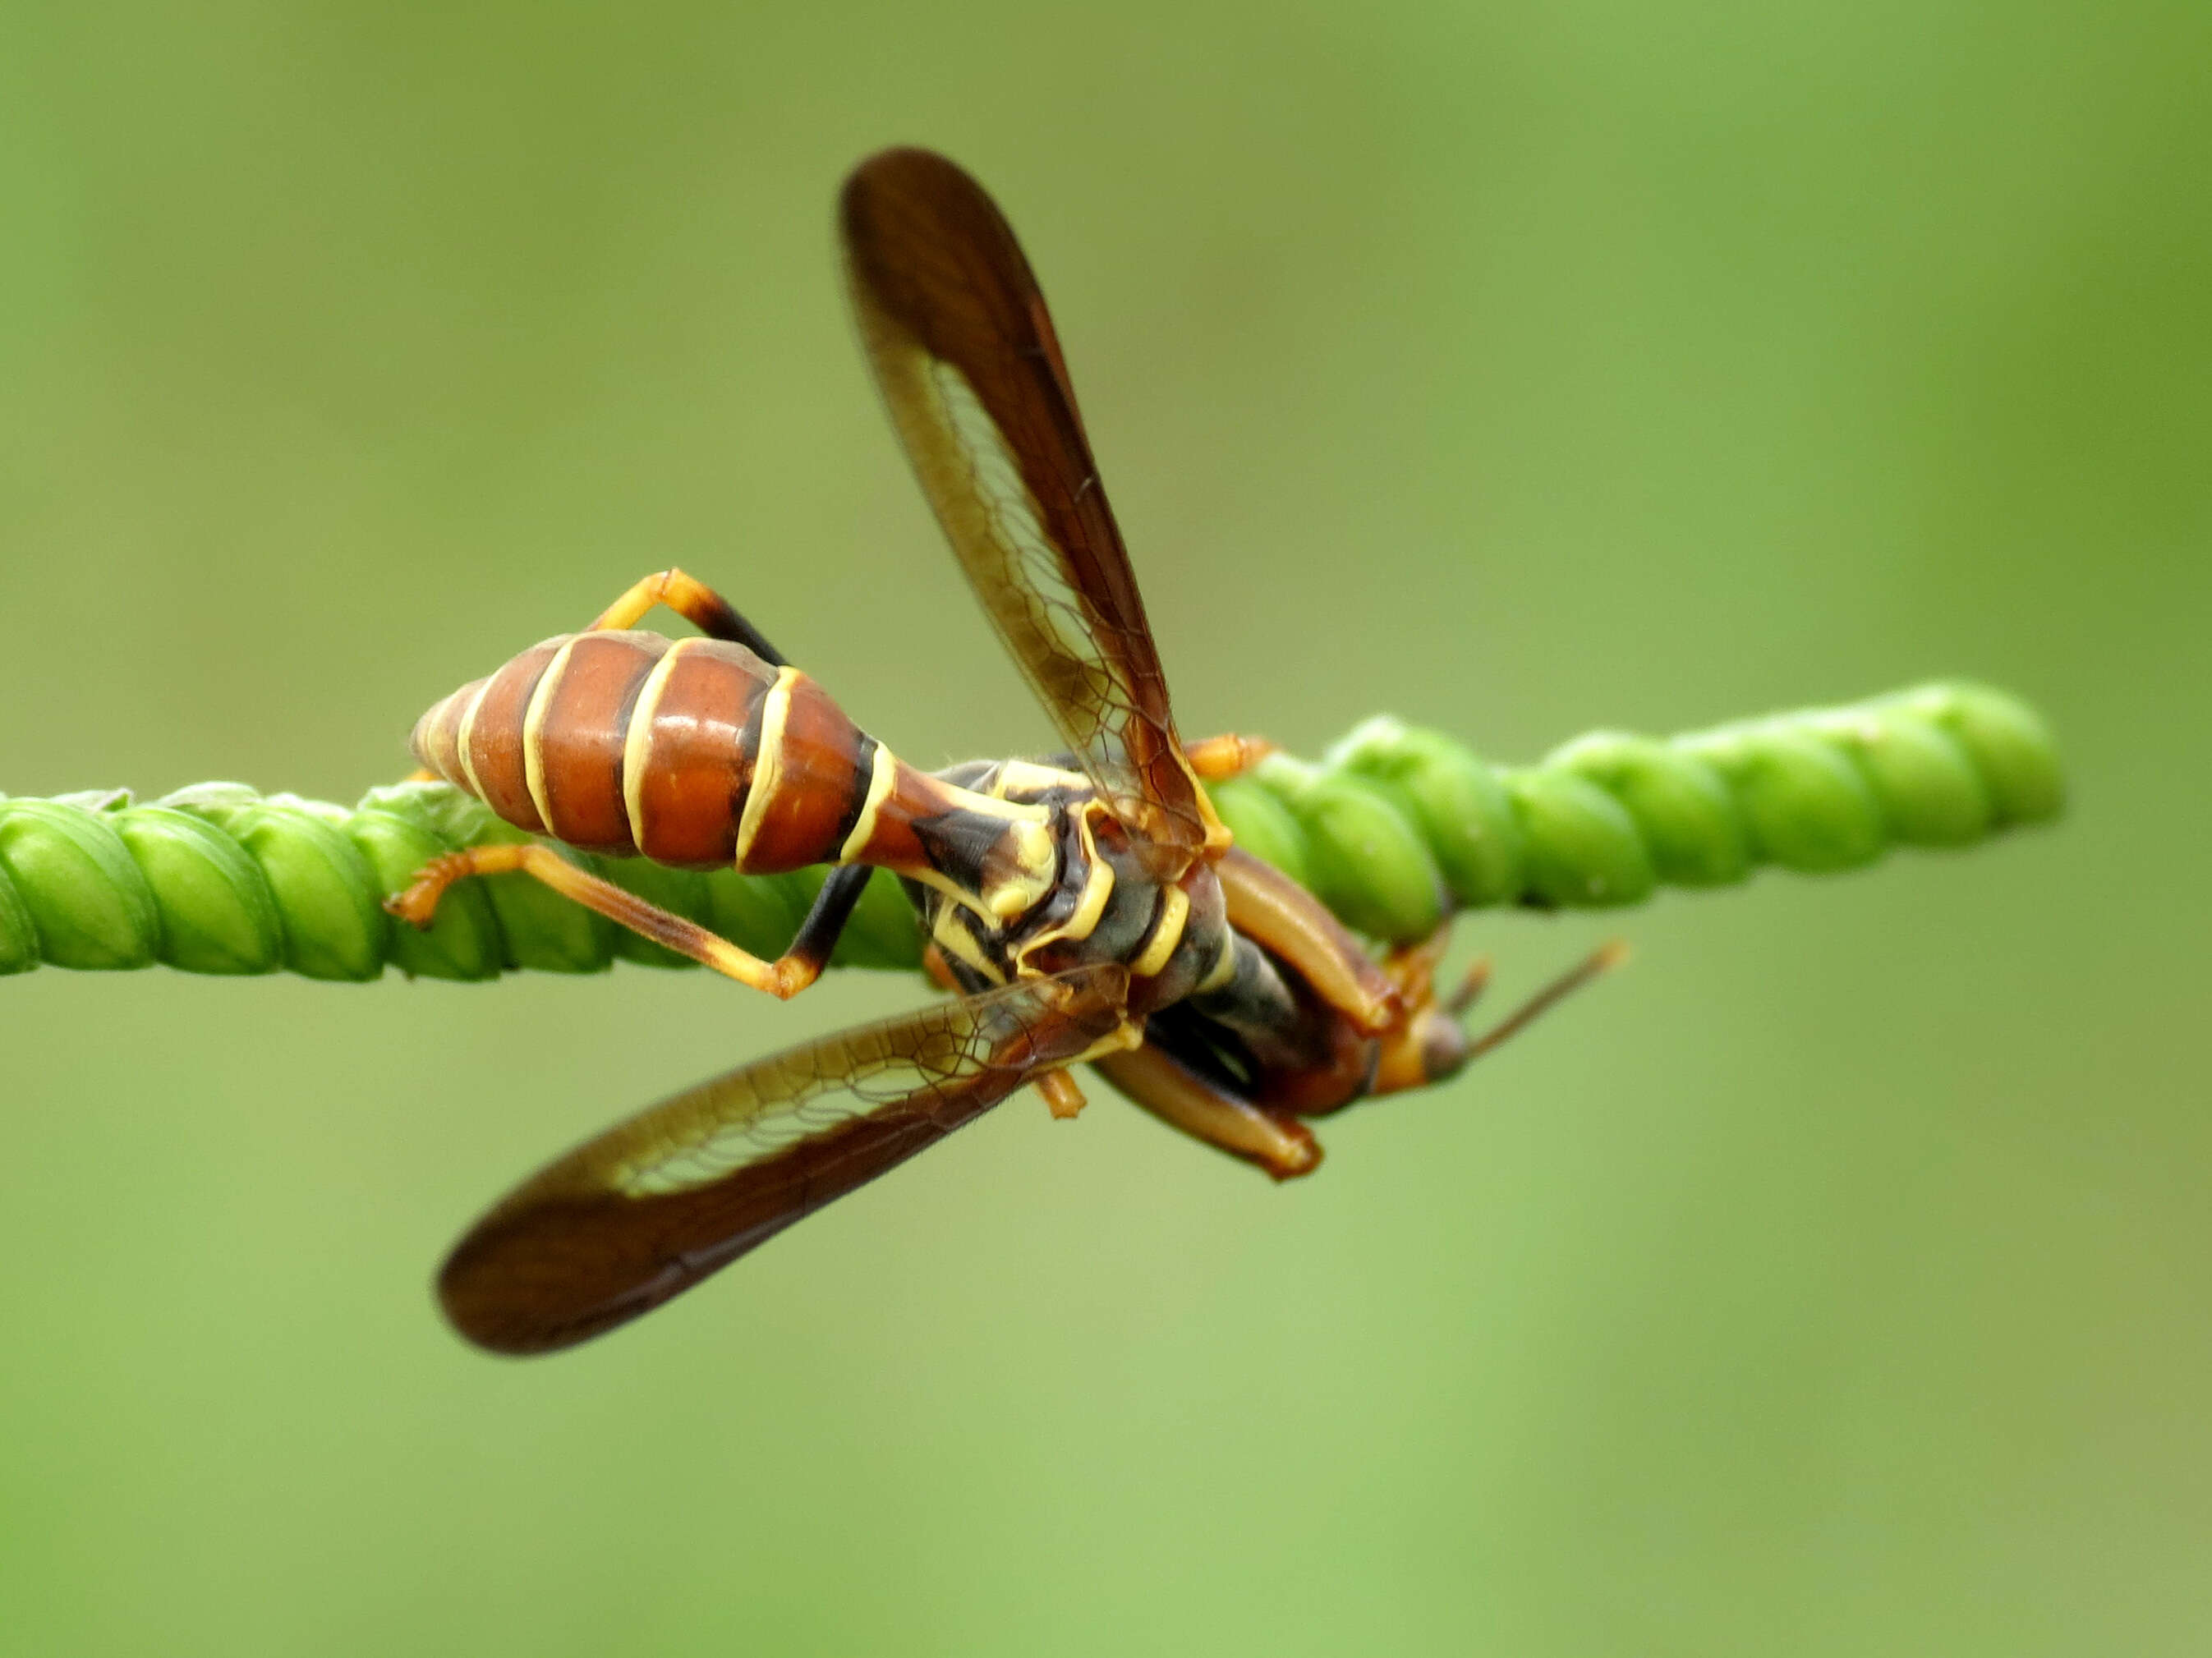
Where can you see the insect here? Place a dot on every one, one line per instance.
(1088, 908)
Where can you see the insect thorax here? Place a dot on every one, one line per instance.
(1100, 904)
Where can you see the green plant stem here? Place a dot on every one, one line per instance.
(1395, 828)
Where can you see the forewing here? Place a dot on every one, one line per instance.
(655, 1204)
(963, 350)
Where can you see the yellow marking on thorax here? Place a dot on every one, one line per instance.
(1097, 889)
(938, 881)
(1036, 874)
(1032, 778)
(533, 731)
(467, 731)
(1175, 910)
(881, 779)
(957, 941)
(637, 741)
(767, 762)
(992, 806)
(1035, 867)
(1121, 1040)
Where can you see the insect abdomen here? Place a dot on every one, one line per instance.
(693, 752)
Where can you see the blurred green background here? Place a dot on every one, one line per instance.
(1833, 1281)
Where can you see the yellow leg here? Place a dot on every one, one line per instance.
(1182, 1099)
(784, 977)
(695, 602)
(1061, 1094)
(1427, 1045)
(1220, 758)
(1285, 920)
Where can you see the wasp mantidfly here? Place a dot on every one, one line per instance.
(1089, 908)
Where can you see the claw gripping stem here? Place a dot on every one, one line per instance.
(1395, 828)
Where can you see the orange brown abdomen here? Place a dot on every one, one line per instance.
(693, 752)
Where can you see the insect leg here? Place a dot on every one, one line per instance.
(1231, 755)
(825, 920)
(696, 602)
(785, 977)
(1181, 1099)
(1062, 1097)
(1276, 912)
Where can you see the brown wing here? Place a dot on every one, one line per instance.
(964, 351)
(657, 1203)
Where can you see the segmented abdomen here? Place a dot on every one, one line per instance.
(693, 752)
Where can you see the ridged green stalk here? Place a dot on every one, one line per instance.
(1395, 828)
(1398, 827)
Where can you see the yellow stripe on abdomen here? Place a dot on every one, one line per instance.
(767, 762)
(637, 741)
(881, 776)
(533, 731)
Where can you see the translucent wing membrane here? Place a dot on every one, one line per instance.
(964, 351)
(655, 1204)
